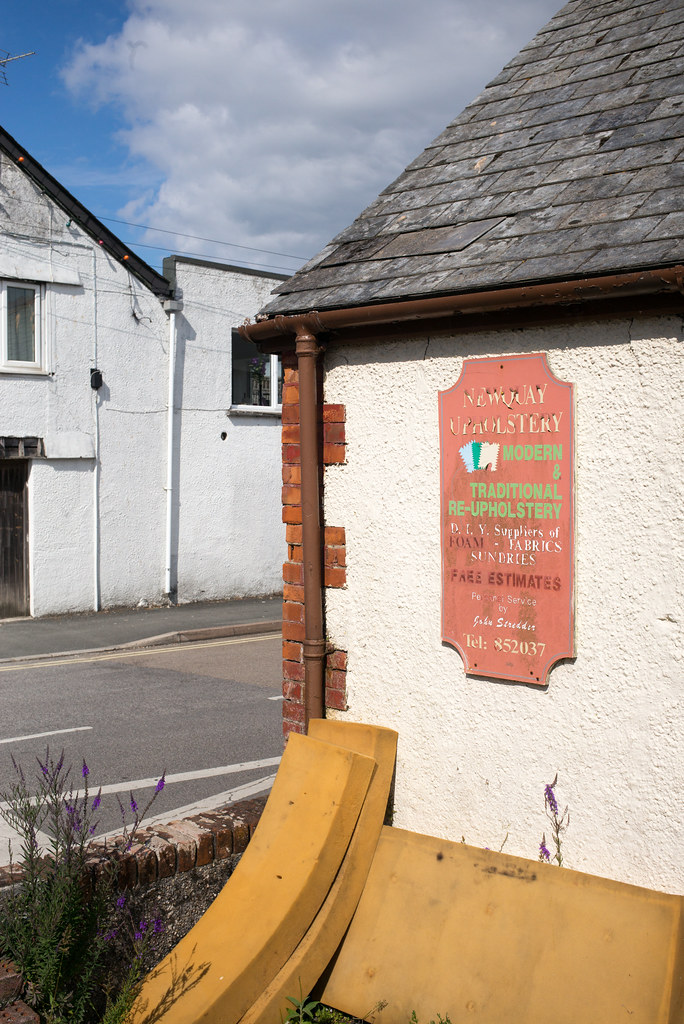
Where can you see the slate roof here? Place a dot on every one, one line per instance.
(569, 164)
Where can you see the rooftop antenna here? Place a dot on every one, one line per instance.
(4, 61)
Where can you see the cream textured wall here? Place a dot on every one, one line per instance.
(475, 754)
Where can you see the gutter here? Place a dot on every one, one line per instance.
(593, 294)
(594, 290)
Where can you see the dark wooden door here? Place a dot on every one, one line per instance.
(14, 591)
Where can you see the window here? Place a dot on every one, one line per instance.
(257, 378)
(21, 323)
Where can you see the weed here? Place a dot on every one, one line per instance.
(52, 923)
(559, 824)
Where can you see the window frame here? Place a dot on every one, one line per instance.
(19, 366)
(275, 407)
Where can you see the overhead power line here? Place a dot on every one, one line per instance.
(201, 238)
(206, 256)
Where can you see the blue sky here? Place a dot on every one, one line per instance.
(262, 124)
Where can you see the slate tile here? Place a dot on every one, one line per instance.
(647, 155)
(652, 178)
(603, 85)
(600, 210)
(572, 127)
(671, 226)
(535, 198)
(661, 69)
(498, 106)
(522, 157)
(519, 178)
(545, 92)
(612, 259)
(579, 72)
(664, 200)
(363, 227)
(410, 199)
(665, 18)
(639, 134)
(482, 278)
(670, 105)
(544, 268)
(623, 232)
(504, 76)
(558, 111)
(603, 186)
(645, 55)
(628, 29)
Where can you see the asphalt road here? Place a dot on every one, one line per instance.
(206, 714)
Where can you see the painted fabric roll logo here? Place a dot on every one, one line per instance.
(480, 455)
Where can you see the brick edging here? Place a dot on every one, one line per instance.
(161, 851)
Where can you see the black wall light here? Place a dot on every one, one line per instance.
(96, 378)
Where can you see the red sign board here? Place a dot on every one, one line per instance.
(507, 513)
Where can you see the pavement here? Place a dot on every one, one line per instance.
(27, 639)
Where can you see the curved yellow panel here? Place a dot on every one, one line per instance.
(222, 965)
(444, 928)
(314, 952)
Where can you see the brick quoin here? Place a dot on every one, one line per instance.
(333, 452)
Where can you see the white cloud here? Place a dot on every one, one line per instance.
(274, 122)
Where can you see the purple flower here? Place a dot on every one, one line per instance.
(85, 770)
(157, 926)
(544, 853)
(133, 805)
(142, 927)
(160, 784)
(121, 901)
(98, 800)
(550, 797)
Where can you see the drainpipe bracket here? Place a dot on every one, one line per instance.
(314, 650)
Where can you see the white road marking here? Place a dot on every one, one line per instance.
(248, 789)
(137, 653)
(202, 773)
(41, 735)
(230, 796)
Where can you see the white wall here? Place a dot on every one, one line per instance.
(475, 754)
(229, 518)
(97, 528)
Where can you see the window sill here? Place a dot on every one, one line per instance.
(24, 371)
(268, 411)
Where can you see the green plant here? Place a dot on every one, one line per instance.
(53, 922)
(440, 1019)
(310, 1011)
(303, 1011)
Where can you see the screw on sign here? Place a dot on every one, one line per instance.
(507, 517)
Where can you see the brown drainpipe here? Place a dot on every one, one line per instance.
(307, 350)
